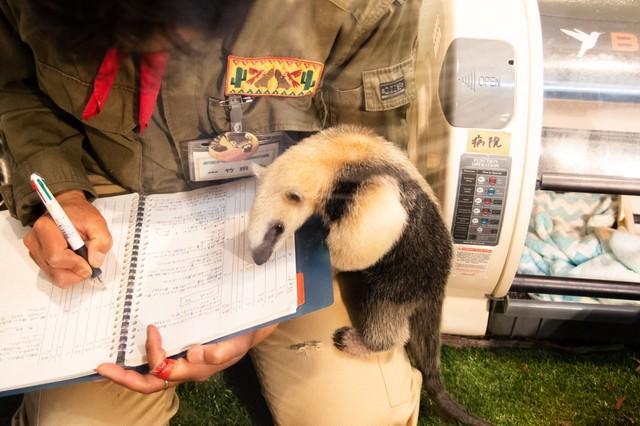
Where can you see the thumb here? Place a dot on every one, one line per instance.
(98, 242)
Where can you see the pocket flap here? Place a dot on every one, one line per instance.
(390, 87)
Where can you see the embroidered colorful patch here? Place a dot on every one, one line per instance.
(272, 76)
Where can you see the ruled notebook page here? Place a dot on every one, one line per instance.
(195, 278)
(47, 333)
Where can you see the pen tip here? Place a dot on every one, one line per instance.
(97, 282)
(96, 274)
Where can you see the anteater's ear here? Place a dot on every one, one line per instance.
(258, 170)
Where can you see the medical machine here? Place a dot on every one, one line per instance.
(528, 128)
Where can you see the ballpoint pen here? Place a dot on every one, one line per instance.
(61, 219)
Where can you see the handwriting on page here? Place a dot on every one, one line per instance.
(63, 324)
(46, 332)
(196, 272)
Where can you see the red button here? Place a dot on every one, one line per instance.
(492, 180)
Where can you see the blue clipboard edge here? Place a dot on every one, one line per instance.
(312, 258)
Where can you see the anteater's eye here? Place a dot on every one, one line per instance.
(293, 196)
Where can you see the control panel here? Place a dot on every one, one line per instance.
(481, 198)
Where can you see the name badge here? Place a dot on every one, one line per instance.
(205, 163)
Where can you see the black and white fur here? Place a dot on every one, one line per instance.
(385, 233)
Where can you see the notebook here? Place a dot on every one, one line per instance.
(179, 261)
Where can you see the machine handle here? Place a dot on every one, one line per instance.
(565, 311)
(576, 287)
(568, 182)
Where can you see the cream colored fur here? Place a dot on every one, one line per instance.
(367, 233)
(307, 171)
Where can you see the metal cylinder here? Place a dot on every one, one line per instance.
(591, 89)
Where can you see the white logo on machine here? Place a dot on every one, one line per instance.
(588, 40)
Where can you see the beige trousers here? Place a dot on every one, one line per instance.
(305, 380)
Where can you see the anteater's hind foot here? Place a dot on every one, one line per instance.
(349, 340)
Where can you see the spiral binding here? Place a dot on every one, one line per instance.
(128, 296)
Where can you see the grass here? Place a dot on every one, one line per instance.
(542, 387)
(210, 403)
(505, 386)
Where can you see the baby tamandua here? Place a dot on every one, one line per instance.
(385, 233)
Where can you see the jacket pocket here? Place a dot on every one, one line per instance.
(389, 87)
(380, 103)
(382, 89)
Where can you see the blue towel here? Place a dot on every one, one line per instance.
(570, 235)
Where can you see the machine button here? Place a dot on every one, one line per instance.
(490, 191)
(497, 201)
(492, 180)
(484, 221)
(479, 230)
(480, 190)
(486, 212)
(478, 200)
(496, 212)
(475, 221)
(481, 179)
(477, 210)
(487, 201)
(494, 222)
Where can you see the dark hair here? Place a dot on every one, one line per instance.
(88, 26)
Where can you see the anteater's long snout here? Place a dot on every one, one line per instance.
(262, 252)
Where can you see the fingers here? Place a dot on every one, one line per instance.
(220, 353)
(263, 333)
(89, 223)
(131, 379)
(148, 383)
(99, 240)
(144, 383)
(183, 370)
(49, 250)
(153, 346)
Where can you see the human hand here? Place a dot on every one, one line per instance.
(202, 361)
(49, 249)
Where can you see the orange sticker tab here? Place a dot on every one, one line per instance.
(300, 285)
(288, 77)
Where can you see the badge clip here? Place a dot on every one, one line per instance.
(235, 144)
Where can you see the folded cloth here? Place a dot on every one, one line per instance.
(570, 235)
(626, 248)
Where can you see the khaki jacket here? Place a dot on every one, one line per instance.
(366, 47)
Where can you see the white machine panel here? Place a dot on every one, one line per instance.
(482, 139)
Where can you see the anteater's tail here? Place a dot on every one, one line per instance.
(424, 351)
